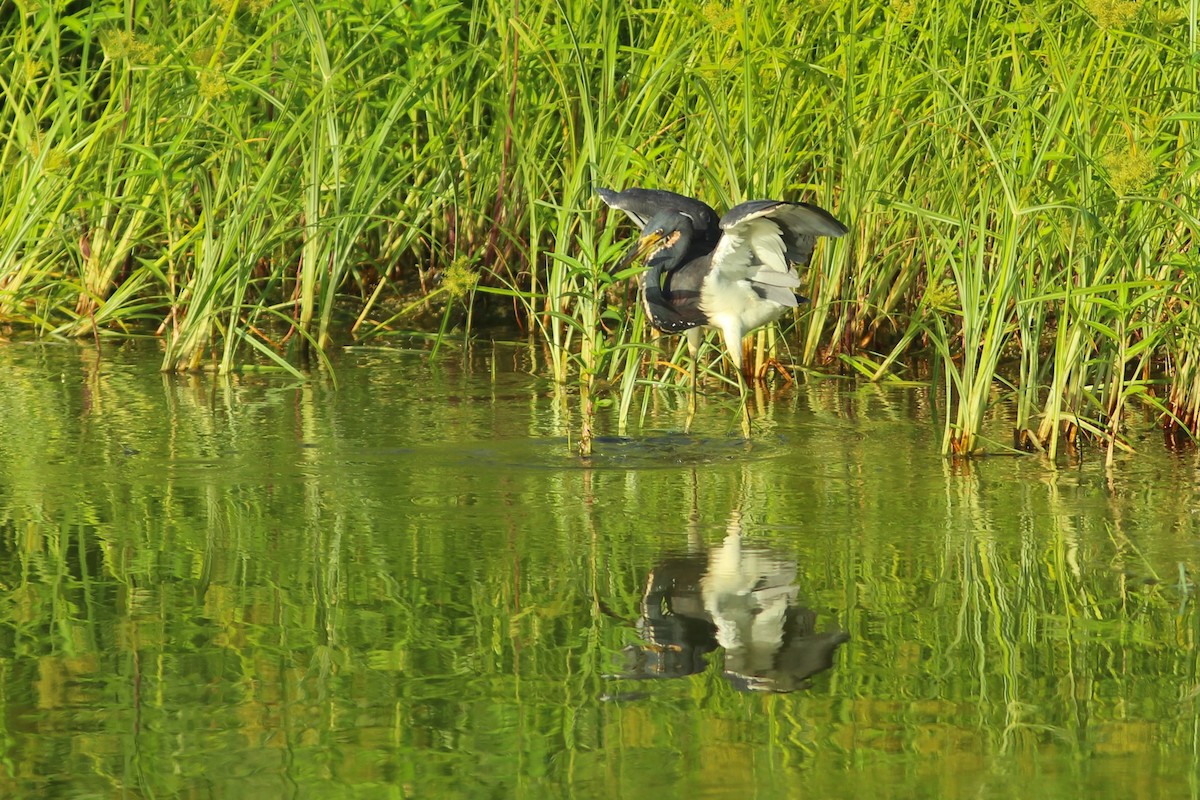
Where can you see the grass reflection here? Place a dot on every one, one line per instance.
(215, 587)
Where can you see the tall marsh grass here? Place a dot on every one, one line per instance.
(257, 180)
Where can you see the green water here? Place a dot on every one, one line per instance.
(409, 587)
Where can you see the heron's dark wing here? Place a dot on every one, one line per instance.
(642, 204)
(801, 218)
(764, 241)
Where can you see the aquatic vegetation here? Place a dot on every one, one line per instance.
(253, 181)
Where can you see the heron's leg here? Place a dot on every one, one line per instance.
(695, 337)
(732, 336)
(744, 389)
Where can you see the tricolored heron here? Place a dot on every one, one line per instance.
(734, 274)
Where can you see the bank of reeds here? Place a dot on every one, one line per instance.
(249, 179)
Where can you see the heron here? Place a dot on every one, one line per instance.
(736, 273)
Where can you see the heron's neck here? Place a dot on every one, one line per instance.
(652, 277)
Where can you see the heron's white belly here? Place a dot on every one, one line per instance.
(734, 304)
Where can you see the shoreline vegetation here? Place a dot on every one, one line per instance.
(244, 179)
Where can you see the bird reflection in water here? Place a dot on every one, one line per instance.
(737, 597)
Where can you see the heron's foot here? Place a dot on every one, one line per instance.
(780, 369)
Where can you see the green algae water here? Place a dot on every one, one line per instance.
(408, 586)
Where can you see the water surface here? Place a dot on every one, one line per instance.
(408, 586)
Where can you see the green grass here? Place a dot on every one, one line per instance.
(257, 180)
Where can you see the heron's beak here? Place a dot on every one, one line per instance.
(645, 246)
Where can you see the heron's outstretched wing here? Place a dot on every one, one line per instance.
(764, 241)
(642, 204)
